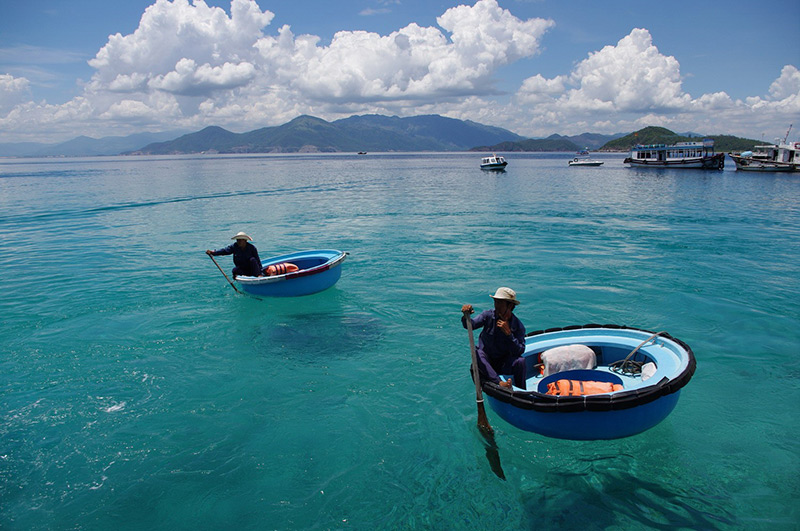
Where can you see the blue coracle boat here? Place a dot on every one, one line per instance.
(318, 270)
(651, 368)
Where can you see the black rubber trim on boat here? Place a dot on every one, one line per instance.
(536, 401)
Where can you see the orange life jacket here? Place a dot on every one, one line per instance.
(580, 388)
(280, 269)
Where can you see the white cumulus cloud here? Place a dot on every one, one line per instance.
(630, 85)
(13, 91)
(787, 86)
(631, 76)
(190, 79)
(178, 45)
(413, 63)
(155, 107)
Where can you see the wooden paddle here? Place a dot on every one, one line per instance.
(483, 421)
(223, 273)
(492, 454)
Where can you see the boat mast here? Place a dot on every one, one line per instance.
(787, 133)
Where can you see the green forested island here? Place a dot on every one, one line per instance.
(648, 135)
(660, 135)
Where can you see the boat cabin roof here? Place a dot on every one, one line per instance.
(707, 142)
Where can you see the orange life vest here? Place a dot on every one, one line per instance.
(281, 269)
(580, 388)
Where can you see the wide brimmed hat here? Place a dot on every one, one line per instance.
(242, 236)
(506, 294)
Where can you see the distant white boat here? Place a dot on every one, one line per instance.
(493, 162)
(582, 159)
(698, 155)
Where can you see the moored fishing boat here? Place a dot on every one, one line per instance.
(638, 373)
(781, 157)
(316, 270)
(698, 155)
(493, 162)
(789, 154)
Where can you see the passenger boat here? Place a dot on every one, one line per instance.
(643, 371)
(493, 162)
(582, 159)
(773, 157)
(699, 155)
(318, 270)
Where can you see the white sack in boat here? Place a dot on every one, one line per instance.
(568, 358)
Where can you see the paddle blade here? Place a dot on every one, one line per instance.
(483, 421)
(492, 452)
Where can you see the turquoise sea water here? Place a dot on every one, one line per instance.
(139, 391)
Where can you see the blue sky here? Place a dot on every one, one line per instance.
(536, 67)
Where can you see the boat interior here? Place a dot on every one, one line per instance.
(631, 367)
(301, 262)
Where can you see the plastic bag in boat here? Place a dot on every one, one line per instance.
(567, 358)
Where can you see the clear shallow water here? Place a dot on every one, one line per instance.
(140, 391)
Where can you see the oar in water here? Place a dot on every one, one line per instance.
(485, 428)
(223, 273)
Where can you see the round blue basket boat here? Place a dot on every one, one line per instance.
(645, 399)
(318, 270)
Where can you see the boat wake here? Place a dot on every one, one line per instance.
(27, 217)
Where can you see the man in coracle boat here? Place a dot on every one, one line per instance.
(502, 340)
(245, 256)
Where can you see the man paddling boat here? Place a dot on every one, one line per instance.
(245, 256)
(502, 340)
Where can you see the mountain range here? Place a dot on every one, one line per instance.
(84, 146)
(308, 134)
(357, 133)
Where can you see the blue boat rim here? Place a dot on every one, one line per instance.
(318, 269)
(337, 257)
(532, 400)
